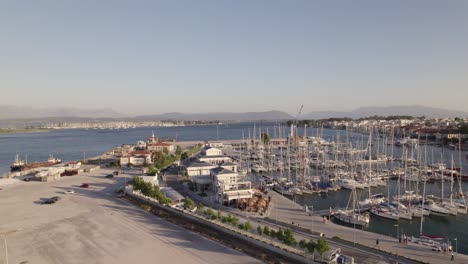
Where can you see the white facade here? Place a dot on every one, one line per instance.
(209, 151)
(160, 146)
(151, 179)
(136, 158)
(199, 169)
(228, 186)
(215, 160)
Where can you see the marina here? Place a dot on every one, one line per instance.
(304, 181)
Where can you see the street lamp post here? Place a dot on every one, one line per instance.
(398, 235)
(398, 231)
(6, 250)
(312, 214)
(276, 210)
(456, 244)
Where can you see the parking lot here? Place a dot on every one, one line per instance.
(92, 225)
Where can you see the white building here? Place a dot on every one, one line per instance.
(160, 146)
(199, 169)
(151, 179)
(213, 155)
(210, 151)
(229, 186)
(141, 145)
(136, 158)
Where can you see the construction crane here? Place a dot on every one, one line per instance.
(295, 122)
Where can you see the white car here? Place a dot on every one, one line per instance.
(69, 192)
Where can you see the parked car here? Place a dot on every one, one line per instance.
(84, 185)
(55, 198)
(109, 176)
(48, 201)
(69, 192)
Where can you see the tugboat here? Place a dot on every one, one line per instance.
(51, 159)
(21, 165)
(17, 165)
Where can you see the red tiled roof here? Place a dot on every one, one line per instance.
(159, 144)
(140, 152)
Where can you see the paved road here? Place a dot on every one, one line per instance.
(287, 211)
(93, 226)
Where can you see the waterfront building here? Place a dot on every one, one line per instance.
(229, 186)
(160, 146)
(136, 158)
(141, 145)
(212, 155)
(199, 169)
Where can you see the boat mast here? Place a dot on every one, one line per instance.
(370, 165)
(422, 208)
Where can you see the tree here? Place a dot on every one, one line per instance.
(166, 151)
(241, 226)
(303, 243)
(266, 230)
(272, 233)
(178, 150)
(200, 206)
(189, 203)
(280, 235)
(288, 237)
(184, 156)
(152, 171)
(235, 220)
(259, 230)
(311, 246)
(265, 138)
(322, 247)
(158, 159)
(248, 226)
(219, 215)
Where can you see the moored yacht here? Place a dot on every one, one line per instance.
(352, 217)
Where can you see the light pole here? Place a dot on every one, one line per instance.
(312, 214)
(398, 238)
(456, 244)
(276, 211)
(398, 231)
(6, 250)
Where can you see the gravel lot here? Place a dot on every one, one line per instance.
(94, 226)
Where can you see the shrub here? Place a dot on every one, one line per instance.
(259, 230)
(248, 226)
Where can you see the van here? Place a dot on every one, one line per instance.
(330, 256)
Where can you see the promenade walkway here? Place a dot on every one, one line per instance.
(287, 211)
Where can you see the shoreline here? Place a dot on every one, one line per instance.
(9, 131)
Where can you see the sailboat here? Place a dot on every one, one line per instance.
(351, 216)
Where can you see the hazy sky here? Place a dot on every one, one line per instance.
(196, 56)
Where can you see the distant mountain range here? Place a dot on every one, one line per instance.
(34, 115)
(415, 110)
(223, 116)
(28, 112)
